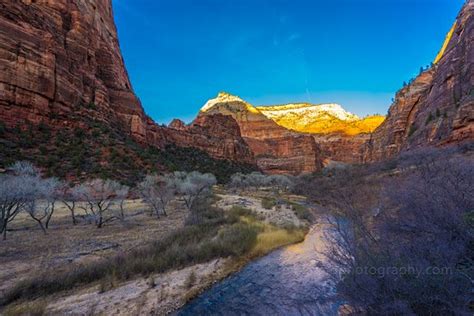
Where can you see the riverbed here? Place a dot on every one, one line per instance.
(288, 281)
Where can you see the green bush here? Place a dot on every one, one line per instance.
(238, 238)
(268, 203)
(238, 210)
(412, 130)
(301, 212)
(469, 218)
(429, 119)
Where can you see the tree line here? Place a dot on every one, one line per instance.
(23, 190)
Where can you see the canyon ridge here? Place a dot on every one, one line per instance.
(63, 72)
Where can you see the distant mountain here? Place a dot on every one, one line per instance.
(298, 117)
(320, 118)
(276, 148)
(327, 130)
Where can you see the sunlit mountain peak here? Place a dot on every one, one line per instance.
(224, 98)
(308, 110)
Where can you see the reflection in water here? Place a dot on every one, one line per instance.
(285, 282)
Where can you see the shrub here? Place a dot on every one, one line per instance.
(3, 129)
(17, 191)
(268, 203)
(301, 212)
(91, 106)
(36, 308)
(238, 238)
(429, 119)
(257, 180)
(191, 186)
(100, 196)
(239, 211)
(190, 280)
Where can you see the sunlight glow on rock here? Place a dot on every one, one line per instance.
(299, 117)
(445, 44)
(321, 119)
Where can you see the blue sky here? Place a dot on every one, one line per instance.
(357, 53)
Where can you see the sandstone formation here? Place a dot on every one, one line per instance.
(62, 56)
(59, 58)
(218, 135)
(276, 149)
(342, 147)
(437, 108)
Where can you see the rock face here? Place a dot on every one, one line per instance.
(276, 149)
(177, 124)
(63, 57)
(218, 134)
(342, 147)
(437, 108)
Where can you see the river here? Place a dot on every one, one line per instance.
(287, 281)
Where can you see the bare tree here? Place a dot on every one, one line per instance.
(99, 195)
(70, 196)
(158, 191)
(122, 192)
(15, 190)
(24, 168)
(41, 201)
(51, 196)
(279, 182)
(258, 180)
(193, 185)
(255, 180)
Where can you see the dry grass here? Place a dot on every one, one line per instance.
(27, 249)
(35, 308)
(273, 238)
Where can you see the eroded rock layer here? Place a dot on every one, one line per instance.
(218, 134)
(63, 56)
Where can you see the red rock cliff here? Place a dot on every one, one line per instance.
(219, 135)
(60, 56)
(437, 108)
